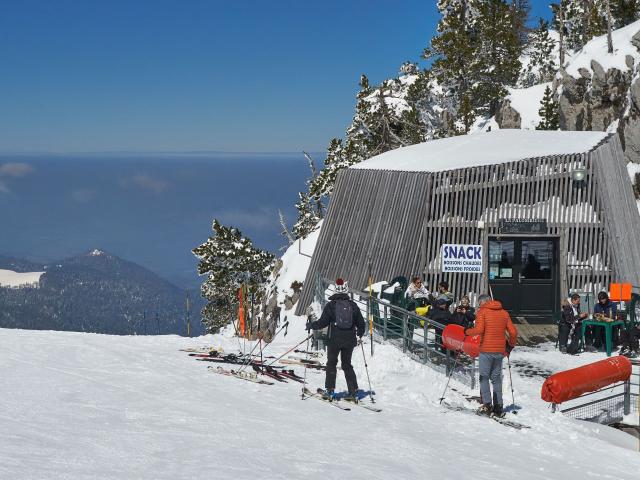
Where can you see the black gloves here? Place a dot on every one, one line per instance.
(308, 326)
(508, 347)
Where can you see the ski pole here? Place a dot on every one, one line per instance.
(511, 384)
(291, 349)
(304, 382)
(250, 358)
(455, 364)
(366, 368)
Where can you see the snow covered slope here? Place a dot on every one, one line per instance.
(596, 49)
(9, 278)
(87, 406)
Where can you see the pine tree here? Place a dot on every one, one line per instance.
(308, 217)
(624, 12)
(228, 259)
(452, 50)
(540, 51)
(496, 63)
(519, 12)
(582, 20)
(549, 112)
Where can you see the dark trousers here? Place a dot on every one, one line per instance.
(563, 337)
(345, 353)
(630, 338)
(594, 336)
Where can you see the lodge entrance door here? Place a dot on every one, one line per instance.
(524, 276)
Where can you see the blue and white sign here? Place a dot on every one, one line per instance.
(462, 258)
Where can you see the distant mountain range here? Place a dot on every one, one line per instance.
(97, 292)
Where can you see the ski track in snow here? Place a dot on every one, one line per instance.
(86, 406)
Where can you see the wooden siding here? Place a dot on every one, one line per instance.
(401, 220)
(619, 209)
(372, 214)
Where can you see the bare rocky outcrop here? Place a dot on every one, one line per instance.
(507, 116)
(594, 100)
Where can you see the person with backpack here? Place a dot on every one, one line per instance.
(492, 321)
(345, 322)
(570, 326)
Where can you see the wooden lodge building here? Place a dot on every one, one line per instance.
(553, 212)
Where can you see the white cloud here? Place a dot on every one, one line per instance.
(261, 219)
(15, 169)
(144, 181)
(83, 195)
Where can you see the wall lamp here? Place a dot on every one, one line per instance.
(579, 177)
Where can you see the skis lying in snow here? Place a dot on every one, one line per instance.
(311, 354)
(207, 350)
(309, 393)
(315, 366)
(502, 420)
(248, 376)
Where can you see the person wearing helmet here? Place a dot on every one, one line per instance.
(345, 322)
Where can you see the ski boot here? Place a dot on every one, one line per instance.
(351, 397)
(485, 409)
(328, 395)
(497, 411)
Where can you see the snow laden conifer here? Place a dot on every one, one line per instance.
(496, 63)
(624, 12)
(540, 65)
(308, 216)
(452, 50)
(581, 20)
(549, 112)
(396, 113)
(228, 259)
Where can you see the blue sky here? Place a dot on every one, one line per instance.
(164, 75)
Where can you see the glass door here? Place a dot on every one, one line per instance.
(523, 276)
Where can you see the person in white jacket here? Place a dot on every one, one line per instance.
(417, 291)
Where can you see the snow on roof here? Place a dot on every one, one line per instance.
(489, 148)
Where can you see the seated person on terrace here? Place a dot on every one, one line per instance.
(570, 325)
(417, 294)
(605, 309)
(444, 293)
(464, 313)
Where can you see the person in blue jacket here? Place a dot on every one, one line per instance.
(605, 308)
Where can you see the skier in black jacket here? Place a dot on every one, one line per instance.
(345, 321)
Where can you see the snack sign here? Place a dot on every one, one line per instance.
(461, 258)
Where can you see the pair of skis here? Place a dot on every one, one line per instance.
(502, 420)
(248, 376)
(336, 403)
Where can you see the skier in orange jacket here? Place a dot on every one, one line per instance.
(492, 321)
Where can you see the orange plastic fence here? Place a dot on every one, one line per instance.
(453, 338)
(620, 292)
(570, 384)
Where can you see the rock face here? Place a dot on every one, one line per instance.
(598, 98)
(507, 116)
(593, 101)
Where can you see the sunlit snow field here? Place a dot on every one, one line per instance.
(81, 406)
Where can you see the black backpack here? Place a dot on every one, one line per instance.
(344, 314)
